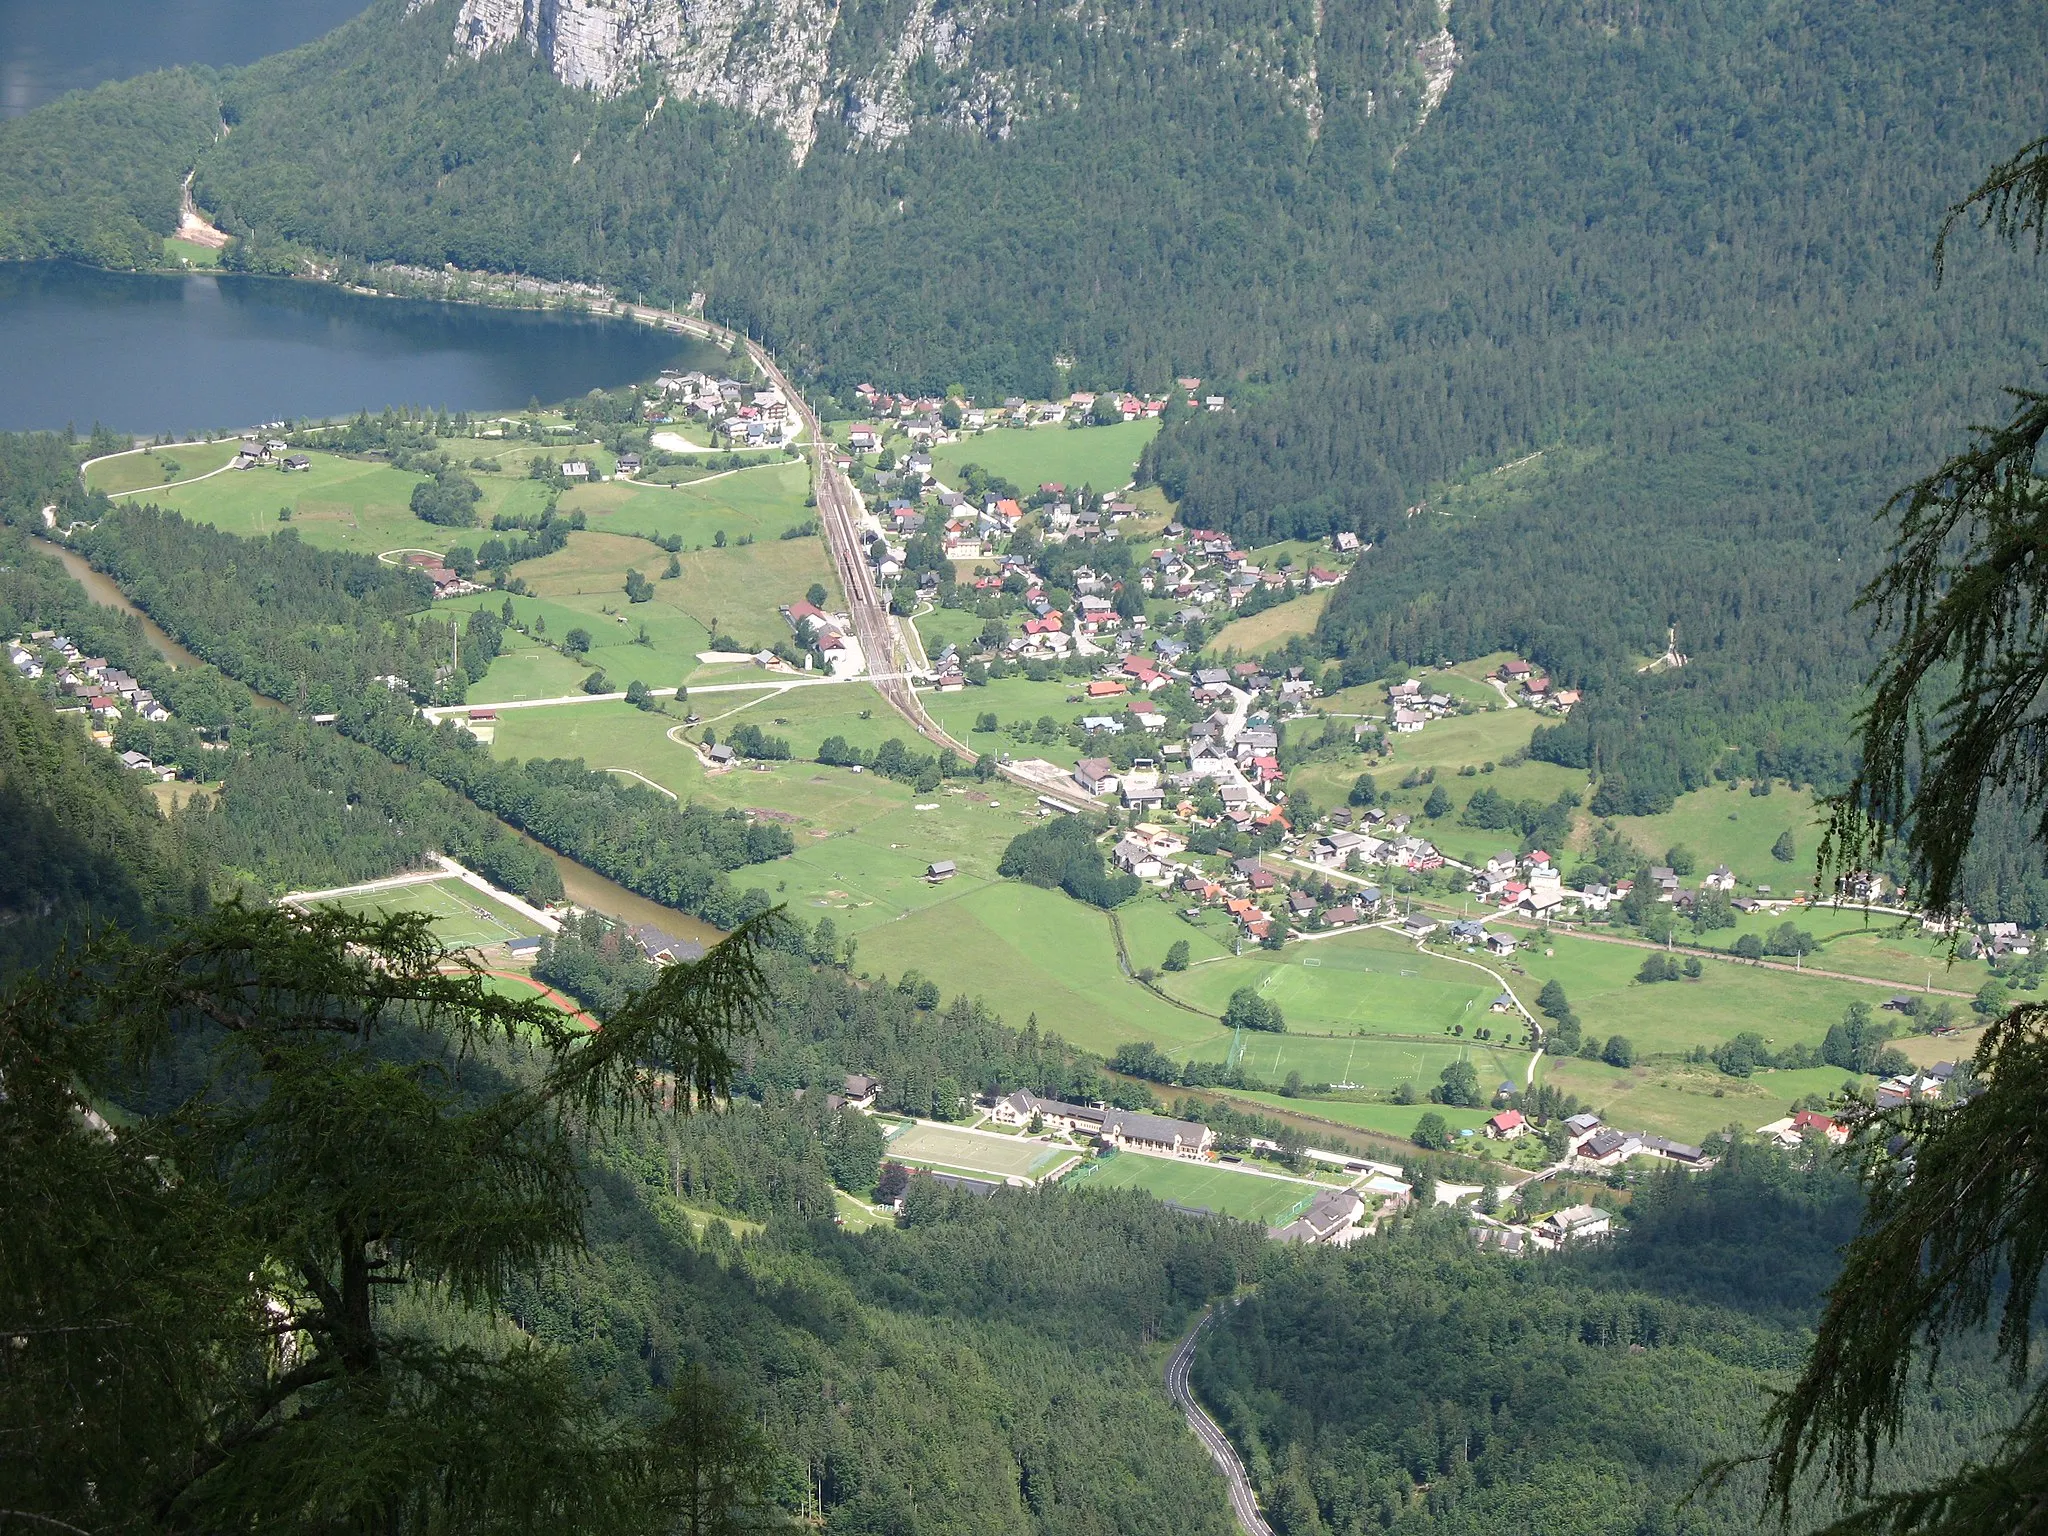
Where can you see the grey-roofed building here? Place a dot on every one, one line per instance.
(1329, 1216)
(1156, 1133)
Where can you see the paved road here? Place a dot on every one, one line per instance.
(1243, 1502)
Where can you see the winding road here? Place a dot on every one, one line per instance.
(1244, 1503)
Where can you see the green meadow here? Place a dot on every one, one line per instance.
(1371, 982)
(1028, 457)
(1686, 1102)
(1028, 952)
(761, 504)
(1263, 632)
(133, 471)
(1014, 700)
(1377, 1116)
(1726, 825)
(1203, 1186)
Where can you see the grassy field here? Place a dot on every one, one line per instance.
(1029, 951)
(1004, 1157)
(761, 503)
(184, 253)
(875, 874)
(1370, 982)
(528, 672)
(949, 626)
(1015, 699)
(1263, 632)
(1384, 1118)
(1204, 1186)
(132, 471)
(463, 916)
(1686, 1102)
(1370, 1062)
(1103, 457)
(346, 504)
(1863, 945)
(1675, 1016)
(1153, 925)
(1726, 825)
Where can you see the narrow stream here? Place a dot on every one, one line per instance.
(582, 884)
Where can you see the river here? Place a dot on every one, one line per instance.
(50, 47)
(582, 884)
(190, 353)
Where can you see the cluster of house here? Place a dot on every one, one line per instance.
(446, 582)
(1206, 570)
(1373, 838)
(1533, 688)
(1594, 1145)
(828, 635)
(255, 450)
(746, 415)
(99, 690)
(1121, 1129)
(1560, 1229)
(1409, 709)
(1998, 941)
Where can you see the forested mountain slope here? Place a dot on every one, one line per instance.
(1683, 248)
(1415, 1385)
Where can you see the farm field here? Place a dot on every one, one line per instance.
(1103, 457)
(1203, 1186)
(1263, 632)
(950, 1150)
(762, 503)
(804, 716)
(345, 504)
(607, 734)
(951, 626)
(1028, 951)
(875, 874)
(1686, 1102)
(1370, 982)
(1152, 926)
(1013, 700)
(1380, 1117)
(1367, 1061)
(1675, 1016)
(1864, 946)
(1725, 825)
(133, 471)
(463, 915)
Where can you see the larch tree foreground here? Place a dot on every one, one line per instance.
(266, 1295)
(1956, 1231)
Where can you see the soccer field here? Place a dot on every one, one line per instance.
(463, 916)
(1004, 1157)
(1204, 1186)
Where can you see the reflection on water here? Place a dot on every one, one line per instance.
(49, 47)
(149, 352)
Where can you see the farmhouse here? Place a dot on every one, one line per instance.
(861, 1090)
(1507, 1125)
(1576, 1224)
(1330, 1218)
(939, 869)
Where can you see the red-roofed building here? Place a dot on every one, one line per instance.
(1507, 1125)
(1102, 688)
(1813, 1120)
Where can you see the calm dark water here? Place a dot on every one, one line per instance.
(48, 47)
(150, 353)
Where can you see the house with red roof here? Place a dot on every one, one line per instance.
(1507, 1125)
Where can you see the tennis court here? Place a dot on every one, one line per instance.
(953, 1151)
(463, 916)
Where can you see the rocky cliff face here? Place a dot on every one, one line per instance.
(768, 58)
(804, 63)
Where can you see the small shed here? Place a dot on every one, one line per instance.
(939, 869)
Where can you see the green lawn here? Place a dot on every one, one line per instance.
(1370, 982)
(133, 471)
(463, 916)
(1863, 945)
(1203, 1186)
(1152, 925)
(1028, 951)
(1103, 457)
(955, 626)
